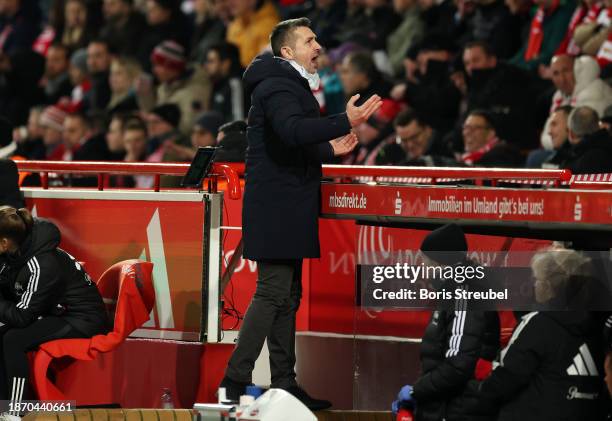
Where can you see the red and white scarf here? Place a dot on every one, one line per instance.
(536, 34)
(470, 158)
(594, 12)
(604, 55)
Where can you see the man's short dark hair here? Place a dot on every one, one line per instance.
(483, 45)
(362, 62)
(566, 109)
(227, 51)
(487, 116)
(135, 123)
(60, 46)
(84, 119)
(282, 34)
(408, 116)
(104, 41)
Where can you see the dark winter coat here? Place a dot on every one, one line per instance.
(287, 141)
(43, 280)
(592, 155)
(451, 346)
(506, 91)
(435, 96)
(503, 155)
(550, 370)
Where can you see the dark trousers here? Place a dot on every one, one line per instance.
(271, 315)
(15, 343)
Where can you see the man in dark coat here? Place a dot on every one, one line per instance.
(287, 141)
(591, 146)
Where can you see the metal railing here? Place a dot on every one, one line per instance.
(104, 169)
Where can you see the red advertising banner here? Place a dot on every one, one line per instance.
(102, 228)
(517, 205)
(328, 303)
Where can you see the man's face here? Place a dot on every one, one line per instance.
(165, 74)
(57, 62)
(114, 9)
(202, 137)
(557, 129)
(114, 136)
(352, 80)
(75, 15)
(74, 131)
(119, 79)
(476, 59)
(135, 142)
(51, 136)
(476, 133)
(213, 65)
(413, 139)
(9, 7)
(98, 58)
(156, 126)
(305, 50)
(562, 68)
(156, 14)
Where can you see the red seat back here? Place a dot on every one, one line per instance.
(129, 295)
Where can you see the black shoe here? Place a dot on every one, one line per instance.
(310, 402)
(233, 389)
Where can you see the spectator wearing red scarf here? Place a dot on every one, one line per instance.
(548, 27)
(482, 146)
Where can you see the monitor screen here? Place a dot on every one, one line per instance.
(198, 170)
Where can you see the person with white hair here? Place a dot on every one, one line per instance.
(552, 368)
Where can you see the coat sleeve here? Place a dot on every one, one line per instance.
(322, 152)
(519, 361)
(463, 351)
(43, 274)
(284, 111)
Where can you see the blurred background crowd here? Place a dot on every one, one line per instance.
(493, 83)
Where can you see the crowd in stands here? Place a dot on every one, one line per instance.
(485, 83)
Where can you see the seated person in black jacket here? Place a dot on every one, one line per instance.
(45, 295)
(454, 340)
(551, 369)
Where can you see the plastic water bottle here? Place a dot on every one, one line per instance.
(166, 399)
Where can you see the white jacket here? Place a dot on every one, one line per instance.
(589, 91)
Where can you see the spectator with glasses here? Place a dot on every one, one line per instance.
(482, 147)
(415, 143)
